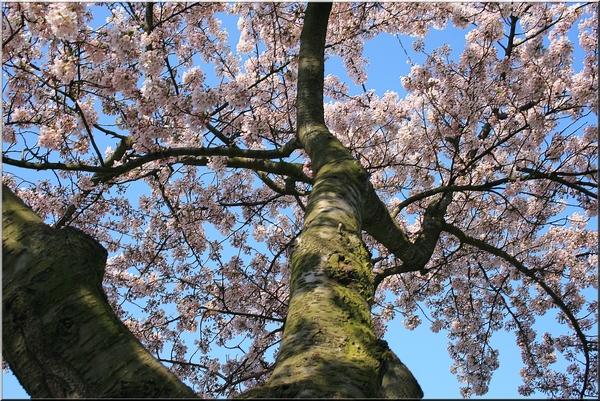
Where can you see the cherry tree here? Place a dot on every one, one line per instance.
(190, 194)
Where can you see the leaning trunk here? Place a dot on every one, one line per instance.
(59, 334)
(329, 347)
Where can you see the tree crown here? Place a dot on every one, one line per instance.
(177, 149)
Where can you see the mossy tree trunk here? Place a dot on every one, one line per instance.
(59, 334)
(329, 347)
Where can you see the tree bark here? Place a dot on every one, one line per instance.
(329, 348)
(60, 336)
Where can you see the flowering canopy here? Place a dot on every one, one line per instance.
(177, 150)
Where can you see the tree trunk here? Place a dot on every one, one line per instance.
(329, 347)
(60, 336)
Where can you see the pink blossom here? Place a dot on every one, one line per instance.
(63, 22)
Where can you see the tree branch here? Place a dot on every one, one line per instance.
(532, 175)
(556, 298)
(415, 255)
(556, 177)
(247, 154)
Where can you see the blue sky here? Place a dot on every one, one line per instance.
(423, 351)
